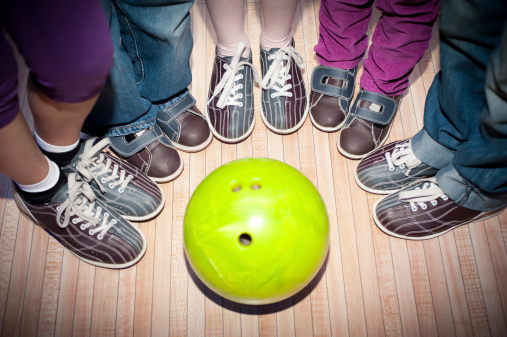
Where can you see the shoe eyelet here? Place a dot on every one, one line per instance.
(424, 206)
(57, 208)
(82, 227)
(225, 66)
(290, 94)
(240, 104)
(413, 209)
(103, 180)
(121, 191)
(240, 96)
(272, 96)
(74, 221)
(241, 86)
(289, 77)
(434, 202)
(391, 169)
(115, 165)
(111, 185)
(114, 221)
(122, 171)
(130, 176)
(91, 232)
(99, 208)
(402, 166)
(444, 197)
(106, 214)
(100, 237)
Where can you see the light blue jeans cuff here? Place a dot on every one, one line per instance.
(147, 120)
(427, 150)
(465, 194)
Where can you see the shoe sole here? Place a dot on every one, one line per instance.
(228, 140)
(481, 217)
(291, 130)
(355, 156)
(192, 149)
(25, 212)
(148, 216)
(172, 176)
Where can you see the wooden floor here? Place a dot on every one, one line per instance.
(372, 285)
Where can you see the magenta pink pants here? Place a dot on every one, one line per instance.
(399, 41)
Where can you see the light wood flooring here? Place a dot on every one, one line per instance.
(372, 285)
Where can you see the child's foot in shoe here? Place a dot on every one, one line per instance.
(284, 103)
(391, 167)
(368, 124)
(230, 108)
(116, 182)
(422, 211)
(184, 125)
(151, 152)
(86, 226)
(331, 95)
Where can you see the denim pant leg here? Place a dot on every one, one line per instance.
(153, 42)
(466, 111)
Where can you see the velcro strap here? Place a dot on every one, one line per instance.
(127, 149)
(385, 108)
(348, 77)
(177, 109)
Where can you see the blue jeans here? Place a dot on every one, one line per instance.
(465, 117)
(152, 45)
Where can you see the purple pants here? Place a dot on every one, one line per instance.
(66, 45)
(400, 39)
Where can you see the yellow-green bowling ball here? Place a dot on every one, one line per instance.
(256, 231)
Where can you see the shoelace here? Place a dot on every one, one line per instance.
(278, 73)
(81, 202)
(228, 84)
(93, 164)
(429, 192)
(402, 156)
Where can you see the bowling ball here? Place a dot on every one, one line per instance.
(256, 231)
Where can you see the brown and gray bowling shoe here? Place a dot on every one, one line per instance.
(230, 108)
(284, 105)
(116, 182)
(390, 168)
(184, 125)
(151, 152)
(368, 124)
(89, 228)
(332, 91)
(422, 211)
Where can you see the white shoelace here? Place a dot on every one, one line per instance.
(402, 156)
(81, 202)
(278, 72)
(93, 164)
(429, 192)
(229, 85)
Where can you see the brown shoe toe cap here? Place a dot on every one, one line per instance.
(194, 131)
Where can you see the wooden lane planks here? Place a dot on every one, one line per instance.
(196, 289)
(318, 287)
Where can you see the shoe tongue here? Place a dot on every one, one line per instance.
(61, 195)
(241, 59)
